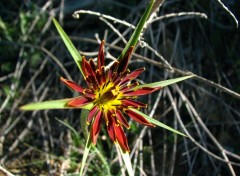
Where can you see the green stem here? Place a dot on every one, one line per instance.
(83, 121)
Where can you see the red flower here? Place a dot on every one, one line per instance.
(112, 93)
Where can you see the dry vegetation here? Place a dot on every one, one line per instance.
(196, 36)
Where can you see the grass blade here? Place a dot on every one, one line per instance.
(70, 127)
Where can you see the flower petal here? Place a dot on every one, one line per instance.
(96, 127)
(87, 92)
(72, 85)
(84, 68)
(138, 118)
(90, 82)
(78, 101)
(132, 75)
(122, 119)
(103, 76)
(126, 88)
(132, 103)
(92, 64)
(114, 66)
(92, 113)
(116, 134)
(117, 79)
(124, 62)
(100, 61)
(87, 68)
(141, 91)
(121, 138)
(89, 95)
(99, 77)
(110, 130)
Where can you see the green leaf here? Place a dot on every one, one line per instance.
(52, 104)
(71, 48)
(155, 122)
(126, 159)
(70, 127)
(85, 154)
(134, 38)
(164, 83)
(83, 120)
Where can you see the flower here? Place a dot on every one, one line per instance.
(112, 92)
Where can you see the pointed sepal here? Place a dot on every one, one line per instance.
(157, 123)
(52, 104)
(71, 48)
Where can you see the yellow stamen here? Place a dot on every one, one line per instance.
(108, 96)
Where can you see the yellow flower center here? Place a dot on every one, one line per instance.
(108, 96)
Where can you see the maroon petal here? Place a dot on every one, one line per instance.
(92, 113)
(132, 75)
(132, 103)
(141, 91)
(100, 61)
(84, 68)
(96, 127)
(115, 76)
(114, 66)
(78, 102)
(126, 88)
(72, 85)
(91, 83)
(116, 134)
(103, 76)
(99, 75)
(110, 130)
(88, 68)
(121, 138)
(89, 95)
(92, 64)
(109, 75)
(117, 80)
(122, 119)
(112, 115)
(138, 118)
(124, 62)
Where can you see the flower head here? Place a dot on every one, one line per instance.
(113, 94)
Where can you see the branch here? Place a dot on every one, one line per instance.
(76, 15)
(229, 12)
(5, 172)
(186, 73)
